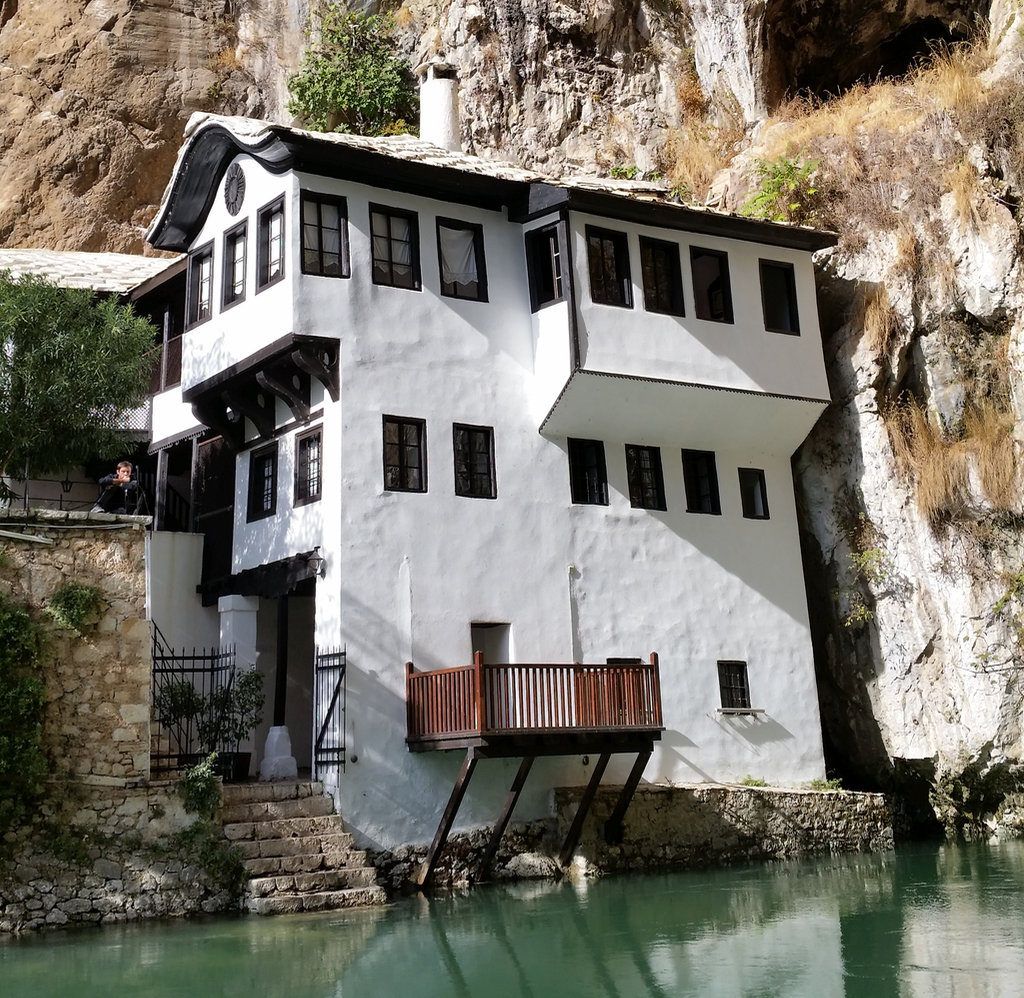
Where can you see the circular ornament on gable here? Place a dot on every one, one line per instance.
(234, 189)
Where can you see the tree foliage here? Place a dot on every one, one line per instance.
(71, 369)
(351, 80)
(23, 763)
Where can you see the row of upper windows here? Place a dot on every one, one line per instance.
(588, 479)
(395, 262)
(405, 470)
(394, 253)
(307, 479)
(611, 283)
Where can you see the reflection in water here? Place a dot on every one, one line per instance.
(931, 921)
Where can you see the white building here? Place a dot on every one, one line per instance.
(549, 420)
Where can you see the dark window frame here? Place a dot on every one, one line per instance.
(645, 478)
(700, 481)
(734, 686)
(703, 306)
(463, 454)
(614, 288)
(400, 465)
(303, 482)
(588, 472)
(788, 276)
(307, 197)
(755, 479)
(234, 235)
(256, 502)
(478, 252)
(264, 224)
(545, 257)
(194, 313)
(663, 300)
(388, 263)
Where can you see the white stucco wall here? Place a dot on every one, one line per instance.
(408, 573)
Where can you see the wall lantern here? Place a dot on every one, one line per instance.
(317, 563)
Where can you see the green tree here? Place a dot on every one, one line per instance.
(351, 80)
(72, 366)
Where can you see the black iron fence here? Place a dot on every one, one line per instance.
(329, 711)
(192, 696)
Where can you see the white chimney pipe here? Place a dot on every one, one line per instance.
(439, 105)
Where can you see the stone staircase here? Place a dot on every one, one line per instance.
(296, 850)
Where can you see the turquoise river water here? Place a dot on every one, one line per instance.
(936, 921)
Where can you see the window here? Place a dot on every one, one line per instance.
(308, 467)
(270, 253)
(712, 296)
(460, 251)
(732, 682)
(608, 256)
(262, 483)
(663, 281)
(701, 481)
(324, 235)
(544, 265)
(474, 461)
(778, 297)
(405, 454)
(643, 475)
(234, 265)
(200, 285)
(395, 247)
(588, 477)
(753, 494)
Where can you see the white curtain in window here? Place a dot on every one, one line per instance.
(458, 256)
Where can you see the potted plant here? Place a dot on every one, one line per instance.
(244, 710)
(217, 722)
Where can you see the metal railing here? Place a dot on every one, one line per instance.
(191, 689)
(515, 698)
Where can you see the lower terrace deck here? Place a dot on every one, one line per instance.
(527, 710)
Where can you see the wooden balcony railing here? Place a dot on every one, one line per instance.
(488, 699)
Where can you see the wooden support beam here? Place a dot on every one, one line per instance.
(573, 838)
(613, 826)
(426, 872)
(502, 822)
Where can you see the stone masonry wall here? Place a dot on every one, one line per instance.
(705, 825)
(97, 683)
(100, 851)
(665, 828)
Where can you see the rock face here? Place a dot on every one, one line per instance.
(96, 96)
(918, 610)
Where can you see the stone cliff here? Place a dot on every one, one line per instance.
(911, 498)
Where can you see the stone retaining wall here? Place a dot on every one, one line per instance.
(112, 864)
(127, 873)
(665, 828)
(709, 824)
(98, 683)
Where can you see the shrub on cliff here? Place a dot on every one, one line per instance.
(351, 80)
(72, 367)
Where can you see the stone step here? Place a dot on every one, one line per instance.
(309, 883)
(274, 810)
(284, 828)
(281, 904)
(257, 792)
(272, 866)
(334, 847)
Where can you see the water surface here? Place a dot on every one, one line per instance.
(932, 921)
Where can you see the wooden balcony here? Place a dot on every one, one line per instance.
(506, 709)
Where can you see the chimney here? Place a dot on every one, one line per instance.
(439, 104)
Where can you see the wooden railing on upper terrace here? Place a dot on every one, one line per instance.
(485, 700)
